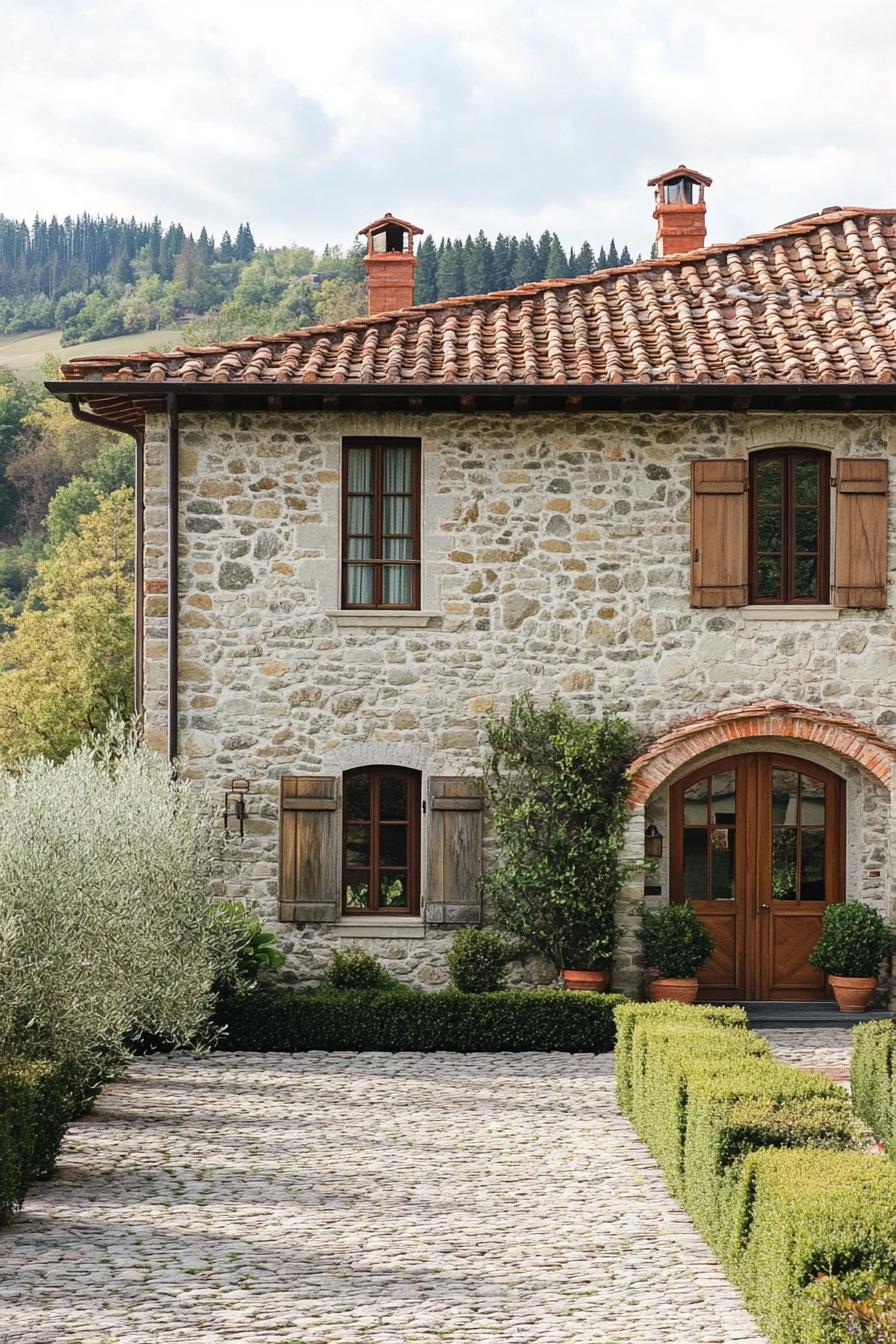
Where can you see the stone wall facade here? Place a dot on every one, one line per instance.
(555, 560)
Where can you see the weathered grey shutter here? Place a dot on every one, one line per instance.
(719, 560)
(309, 849)
(860, 548)
(455, 850)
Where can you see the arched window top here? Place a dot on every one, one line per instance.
(790, 526)
(381, 841)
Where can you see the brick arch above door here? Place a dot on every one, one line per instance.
(766, 719)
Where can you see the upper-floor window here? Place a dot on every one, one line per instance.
(381, 841)
(789, 526)
(381, 523)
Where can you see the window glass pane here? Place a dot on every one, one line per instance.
(812, 865)
(721, 848)
(768, 481)
(784, 797)
(811, 801)
(360, 548)
(394, 845)
(397, 548)
(393, 798)
(784, 863)
(805, 576)
(695, 803)
(393, 890)
(396, 514)
(806, 483)
(360, 514)
(360, 470)
(357, 796)
(397, 470)
(397, 585)
(769, 577)
(768, 530)
(357, 892)
(806, 530)
(723, 803)
(694, 884)
(357, 846)
(359, 585)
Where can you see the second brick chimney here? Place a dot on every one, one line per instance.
(390, 263)
(680, 213)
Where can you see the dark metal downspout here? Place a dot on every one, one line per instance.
(173, 531)
(102, 423)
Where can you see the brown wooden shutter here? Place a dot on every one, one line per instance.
(455, 850)
(860, 551)
(309, 849)
(719, 572)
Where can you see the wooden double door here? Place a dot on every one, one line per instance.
(757, 846)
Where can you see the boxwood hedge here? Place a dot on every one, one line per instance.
(874, 1079)
(407, 1019)
(37, 1100)
(764, 1158)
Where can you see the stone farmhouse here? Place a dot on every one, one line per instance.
(661, 489)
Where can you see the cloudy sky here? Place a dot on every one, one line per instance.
(309, 119)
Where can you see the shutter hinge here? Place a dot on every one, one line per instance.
(697, 556)
(424, 807)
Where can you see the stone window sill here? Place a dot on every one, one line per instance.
(379, 620)
(788, 613)
(380, 926)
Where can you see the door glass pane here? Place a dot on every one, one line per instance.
(695, 803)
(360, 470)
(393, 845)
(360, 515)
(805, 576)
(357, 845)
(723, 798)
(812, 865)
(811, 801)
(393, 798)
(806, 530)
(769, 575)
(768, 530)
(357, 796)
(397, 470)
(784, 863)
(397, 585)
(360, 548)
(357, 891)
(768, 481)
(785, 797)
(396, 515)
(359, 585)
(393, 890)
(694, 883)
(806, 483)
(721, 852)
(397, 548)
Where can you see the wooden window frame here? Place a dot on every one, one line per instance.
(377, 561)
(790, 457)
(412, 869)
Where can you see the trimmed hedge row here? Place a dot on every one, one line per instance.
(873, 1073)
(765, 1159)
(37, 1100)
(408, 1019)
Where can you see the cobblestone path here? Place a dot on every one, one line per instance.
(825, 1050)
(361, 1199)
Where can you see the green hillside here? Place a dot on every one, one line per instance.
(24, 354)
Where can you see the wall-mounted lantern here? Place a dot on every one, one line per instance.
(235, 805)
(653, 843)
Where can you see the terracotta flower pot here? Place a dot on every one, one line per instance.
(595, 981)
(682, 991)
(853, 992)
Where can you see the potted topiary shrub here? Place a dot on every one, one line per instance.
(676, 945)
(854, 941)
(557, 796)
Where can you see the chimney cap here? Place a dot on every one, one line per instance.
(681, 171)
(384, 221)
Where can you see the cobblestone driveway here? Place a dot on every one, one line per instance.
(366, 1199)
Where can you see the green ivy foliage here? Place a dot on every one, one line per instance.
(557, 788)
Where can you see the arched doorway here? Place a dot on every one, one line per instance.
(757, 845)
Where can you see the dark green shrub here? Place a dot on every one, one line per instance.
(406, 1019)
(557, 797)
(873, 1075)
(477, 961)
(854, 941)
(675, 942)
(804, 1215)
(37, 1100)
(355, 968)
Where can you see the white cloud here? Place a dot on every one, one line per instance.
(310, 119)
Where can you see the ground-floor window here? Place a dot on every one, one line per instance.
(381, 841)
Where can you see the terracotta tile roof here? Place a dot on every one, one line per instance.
(813, 301)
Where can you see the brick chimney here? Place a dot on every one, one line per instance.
(390, 263)
(679, 212)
